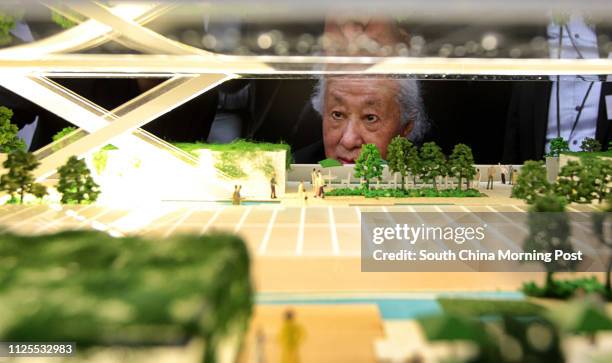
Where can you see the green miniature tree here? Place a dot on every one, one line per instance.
(597, 179)
(567, 184)
(590, 145)
(76, 184)
(558, 146)
(9, 141)
(582, 182)
(369, 165)
(397, 156)
(461, 164)
(549, 230)
(599, 224)
(19, 179)
(433, 162)
(413, 162)
(531, 182)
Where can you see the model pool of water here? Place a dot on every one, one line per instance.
(391, 306)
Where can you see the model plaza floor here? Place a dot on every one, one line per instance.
(329, 227)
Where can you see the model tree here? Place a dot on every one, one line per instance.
(461, 164)
(558, 146)
(8, 133)
(549, 230)
(590, 145)
(596, 179)
(76, 184)
(531, 182)
(397, 157)
(19, 180)
(567, 184)
(413, 161)
(599, 223)
(432, 162)
(369, 165)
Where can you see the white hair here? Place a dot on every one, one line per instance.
(408, 98)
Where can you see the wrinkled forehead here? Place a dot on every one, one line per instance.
(367, 91)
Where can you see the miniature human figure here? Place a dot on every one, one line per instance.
(490, 176)
(514, 176)
(236, 196)
(503, 171)
(290, 338)
(320, 184)
(477, 178)
(260, 347)
(273, 186)
(313, 181)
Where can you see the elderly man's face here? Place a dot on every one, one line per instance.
(358, 112)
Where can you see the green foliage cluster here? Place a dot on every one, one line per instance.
(93, 289)
(461, 164)
(531, 182)
(9, 141)
(19, 180)
(590, 145)
(433, 162)
(579, 182)
(63, 21)
(430, 162)
(549, 230)
(232, 153)
(76, 184)
(62, 135)
(408, 193)
(583, 181)
(564, 289)
(7, 22)
(229, 164)
(558, 146)
(369, 164)
(500, 338)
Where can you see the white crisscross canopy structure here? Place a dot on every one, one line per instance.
(27, 70)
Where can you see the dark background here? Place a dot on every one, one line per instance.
(470, 112)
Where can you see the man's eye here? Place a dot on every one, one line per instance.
(371, 118)
(337, 115)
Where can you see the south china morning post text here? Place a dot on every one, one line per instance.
(458, 242)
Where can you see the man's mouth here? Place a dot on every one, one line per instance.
(346, 161)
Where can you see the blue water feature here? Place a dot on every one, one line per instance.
(391, 307)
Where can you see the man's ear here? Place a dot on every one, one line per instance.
(405, 131)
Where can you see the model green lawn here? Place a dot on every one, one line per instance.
(95, 290)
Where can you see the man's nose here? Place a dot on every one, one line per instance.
(351, 137)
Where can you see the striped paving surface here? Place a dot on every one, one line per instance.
(269, 230)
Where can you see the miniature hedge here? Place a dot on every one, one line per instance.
(565, 289)
(96, 290)
(489, 307)
(408, 193)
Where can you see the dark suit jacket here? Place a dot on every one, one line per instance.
(528, 119)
